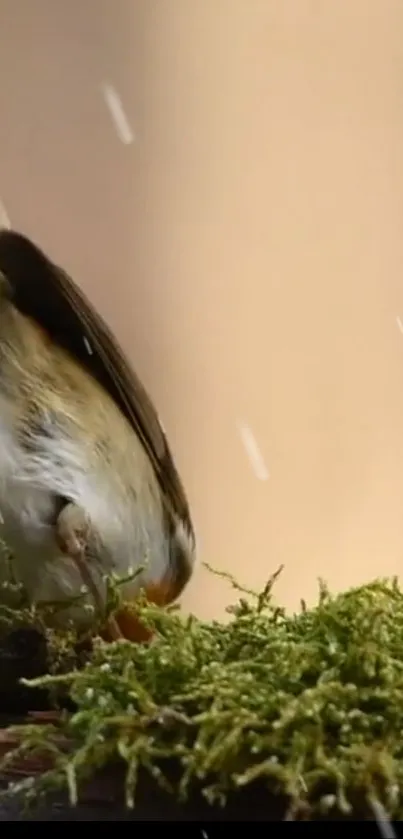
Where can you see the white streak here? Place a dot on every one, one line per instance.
(119, 118)
(385, 826)
(4, 217)
(400, 325)
(87, 345)
(252, 450)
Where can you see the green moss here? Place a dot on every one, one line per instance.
(310, 704)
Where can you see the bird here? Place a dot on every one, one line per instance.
(88, 484)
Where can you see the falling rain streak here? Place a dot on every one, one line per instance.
(116, 110)
(254, 454)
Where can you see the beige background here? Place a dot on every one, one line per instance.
(246, 247)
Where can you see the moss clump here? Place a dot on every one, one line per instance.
(311, 705)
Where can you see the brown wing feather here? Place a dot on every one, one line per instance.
(44, 292)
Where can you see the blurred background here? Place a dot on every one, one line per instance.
(224, 178)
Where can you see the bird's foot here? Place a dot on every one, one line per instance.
(72, 532)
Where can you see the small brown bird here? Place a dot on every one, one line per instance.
(88, 485)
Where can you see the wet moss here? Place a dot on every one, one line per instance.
(310, 706)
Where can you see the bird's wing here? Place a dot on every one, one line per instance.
(44, 292)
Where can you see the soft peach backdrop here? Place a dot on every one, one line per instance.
(247, 248)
